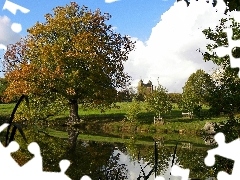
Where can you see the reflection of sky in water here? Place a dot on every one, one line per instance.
(134, 167)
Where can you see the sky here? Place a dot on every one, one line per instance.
(134, 167)
(167, 33)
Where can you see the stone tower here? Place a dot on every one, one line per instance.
(147, 87)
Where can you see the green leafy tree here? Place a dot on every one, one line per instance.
(175, 97)
(40, 108)
(142, 92)
(219, 38)
(225, 96)
(232, 5)
(196, 91)
(124, 95)
(74, 55)
(133, 111)
(159, 101)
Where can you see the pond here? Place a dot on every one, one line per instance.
(102, 157)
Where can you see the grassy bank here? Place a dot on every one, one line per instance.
(113, 121)
(168, 140)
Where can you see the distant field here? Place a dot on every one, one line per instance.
(119, 112)
(6, 109)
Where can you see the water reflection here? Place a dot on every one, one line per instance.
(101, 160)
(138, 169)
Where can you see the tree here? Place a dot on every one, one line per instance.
(225, 97)
(125, 95)
(226, 93)
(159, 101)
(175, 97)
(233, 5)
(196, 91)
(3, 87)
(133, 111)
(142, 93)
(219, 38)
(74, 54)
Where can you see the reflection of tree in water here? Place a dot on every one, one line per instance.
(114, 170)
(154, 156)
(193, 159)
(72, 138)
(52, 149)
(96, 160)
(87, 158)
(99, 160)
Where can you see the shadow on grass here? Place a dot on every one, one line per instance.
(104, 118)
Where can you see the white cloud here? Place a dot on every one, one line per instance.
(134, 167)
(111, 1)
(170, 52)
(7, 36)
(3, 47)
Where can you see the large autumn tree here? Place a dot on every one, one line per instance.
(74, 55)
(3, 87)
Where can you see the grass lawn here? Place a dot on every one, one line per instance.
(6, 109)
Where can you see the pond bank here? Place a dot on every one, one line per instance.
(113, 126)
(166, 140)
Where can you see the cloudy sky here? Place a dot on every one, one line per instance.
(167, 33)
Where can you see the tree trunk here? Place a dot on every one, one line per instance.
(73, 117)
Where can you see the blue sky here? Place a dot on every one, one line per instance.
(132, 17)
(167, 33)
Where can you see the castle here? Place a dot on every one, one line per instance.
(148, 88)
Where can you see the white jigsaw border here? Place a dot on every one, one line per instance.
(226, 150)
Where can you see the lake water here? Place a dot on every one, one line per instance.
(127, 160)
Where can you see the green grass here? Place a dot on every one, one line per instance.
(6, 109)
